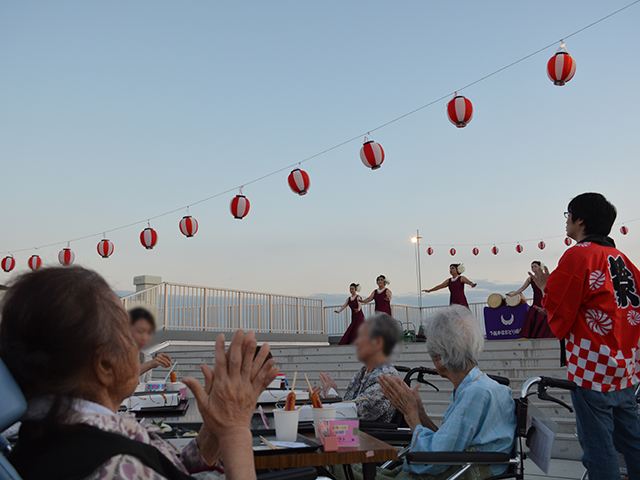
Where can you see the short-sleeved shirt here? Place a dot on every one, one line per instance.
(376, 407)
(481, 415)
(144, 357)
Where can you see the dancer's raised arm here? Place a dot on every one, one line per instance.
(444, 284)
(524, 286)
(466, 281)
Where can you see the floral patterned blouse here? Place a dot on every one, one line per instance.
(376, 407)
(129, 467)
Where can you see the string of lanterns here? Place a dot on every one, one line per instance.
(561, 69)
(519, 248)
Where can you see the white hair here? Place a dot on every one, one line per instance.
(454, 335)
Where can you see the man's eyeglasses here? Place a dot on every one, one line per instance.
(566, 214)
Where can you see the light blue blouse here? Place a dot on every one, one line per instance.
(481, 414)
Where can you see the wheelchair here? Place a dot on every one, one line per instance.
(13, 405)
(523, 434)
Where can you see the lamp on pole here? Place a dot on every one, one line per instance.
(416, 241)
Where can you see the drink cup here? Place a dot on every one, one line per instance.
(326, 413)
(286, 425)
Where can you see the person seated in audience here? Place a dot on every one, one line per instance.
(143, 326)
(481, 416)
(375, 341)
(65, 338)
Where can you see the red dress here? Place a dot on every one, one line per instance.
(382, 304)
(456, 287)
(535, 323)
(356, 319)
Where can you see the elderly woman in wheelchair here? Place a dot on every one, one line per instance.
(481, 416)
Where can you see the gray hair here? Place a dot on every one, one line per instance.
(454, 335)
(387, 327)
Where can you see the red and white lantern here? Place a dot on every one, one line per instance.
(624, 230)
(494, 250)
(35, 262)
(188, 226)
(519, 248)
(299, 181)
(66, 257)
(372, 154)
(452, 252)
(541, 245)
(105, 248)
(567, 242)
(148, 238)
(8, 263)
(475, 251)
(561, 67)
(460, 111)
(239, 207)
(429, 251)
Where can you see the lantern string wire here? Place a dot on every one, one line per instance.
(352, 139)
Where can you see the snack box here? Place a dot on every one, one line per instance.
(344, 410)
(275, 396)
(152, 400)
(347, 431)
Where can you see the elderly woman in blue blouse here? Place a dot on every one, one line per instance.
(481, 416)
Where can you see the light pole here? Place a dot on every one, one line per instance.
(416, 241)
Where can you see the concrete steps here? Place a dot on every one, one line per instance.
(517, 360)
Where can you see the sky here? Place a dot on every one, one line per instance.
(112, 113)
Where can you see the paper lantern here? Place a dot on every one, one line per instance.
(567, 241)
(105, 248)
(35, 262)
(372, 154)
(188, 226)
(519, 248)
(429, 251)
(494, 250)
(299, 181)
(561, 67)
(8, 263)
(148, 238)
(66, 257)
(239, 206)
(624, 230)
(459, 111)
(475, 251)
(541, 245)
(452, 252)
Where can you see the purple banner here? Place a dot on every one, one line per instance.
(504, 323)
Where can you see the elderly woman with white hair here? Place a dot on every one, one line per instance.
(481, 416)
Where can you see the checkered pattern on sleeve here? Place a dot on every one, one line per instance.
(597, 367)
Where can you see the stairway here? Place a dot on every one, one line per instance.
(517, 360)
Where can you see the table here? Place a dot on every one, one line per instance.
(368, 453)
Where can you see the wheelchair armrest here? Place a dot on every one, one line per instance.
(375, 426)
(306, 473)
(457, 458)
(402, 437)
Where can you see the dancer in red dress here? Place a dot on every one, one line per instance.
(535, 323)
(382, 296)
(456, 285)
(357, 317)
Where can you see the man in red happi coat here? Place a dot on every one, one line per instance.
(592, 301)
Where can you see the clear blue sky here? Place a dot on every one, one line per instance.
(114, 112)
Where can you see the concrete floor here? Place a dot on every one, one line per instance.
(559, 469)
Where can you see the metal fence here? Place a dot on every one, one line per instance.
(189, 307)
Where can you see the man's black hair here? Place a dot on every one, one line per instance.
(597, 213)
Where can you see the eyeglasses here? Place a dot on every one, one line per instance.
(566, 214)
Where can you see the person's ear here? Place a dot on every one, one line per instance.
(104, 369)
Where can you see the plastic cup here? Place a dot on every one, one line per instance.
(286, 425)
(325, 413)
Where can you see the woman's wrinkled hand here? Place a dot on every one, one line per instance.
(401, 397)
(161, 360)
(229, 397)
(327, 383)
